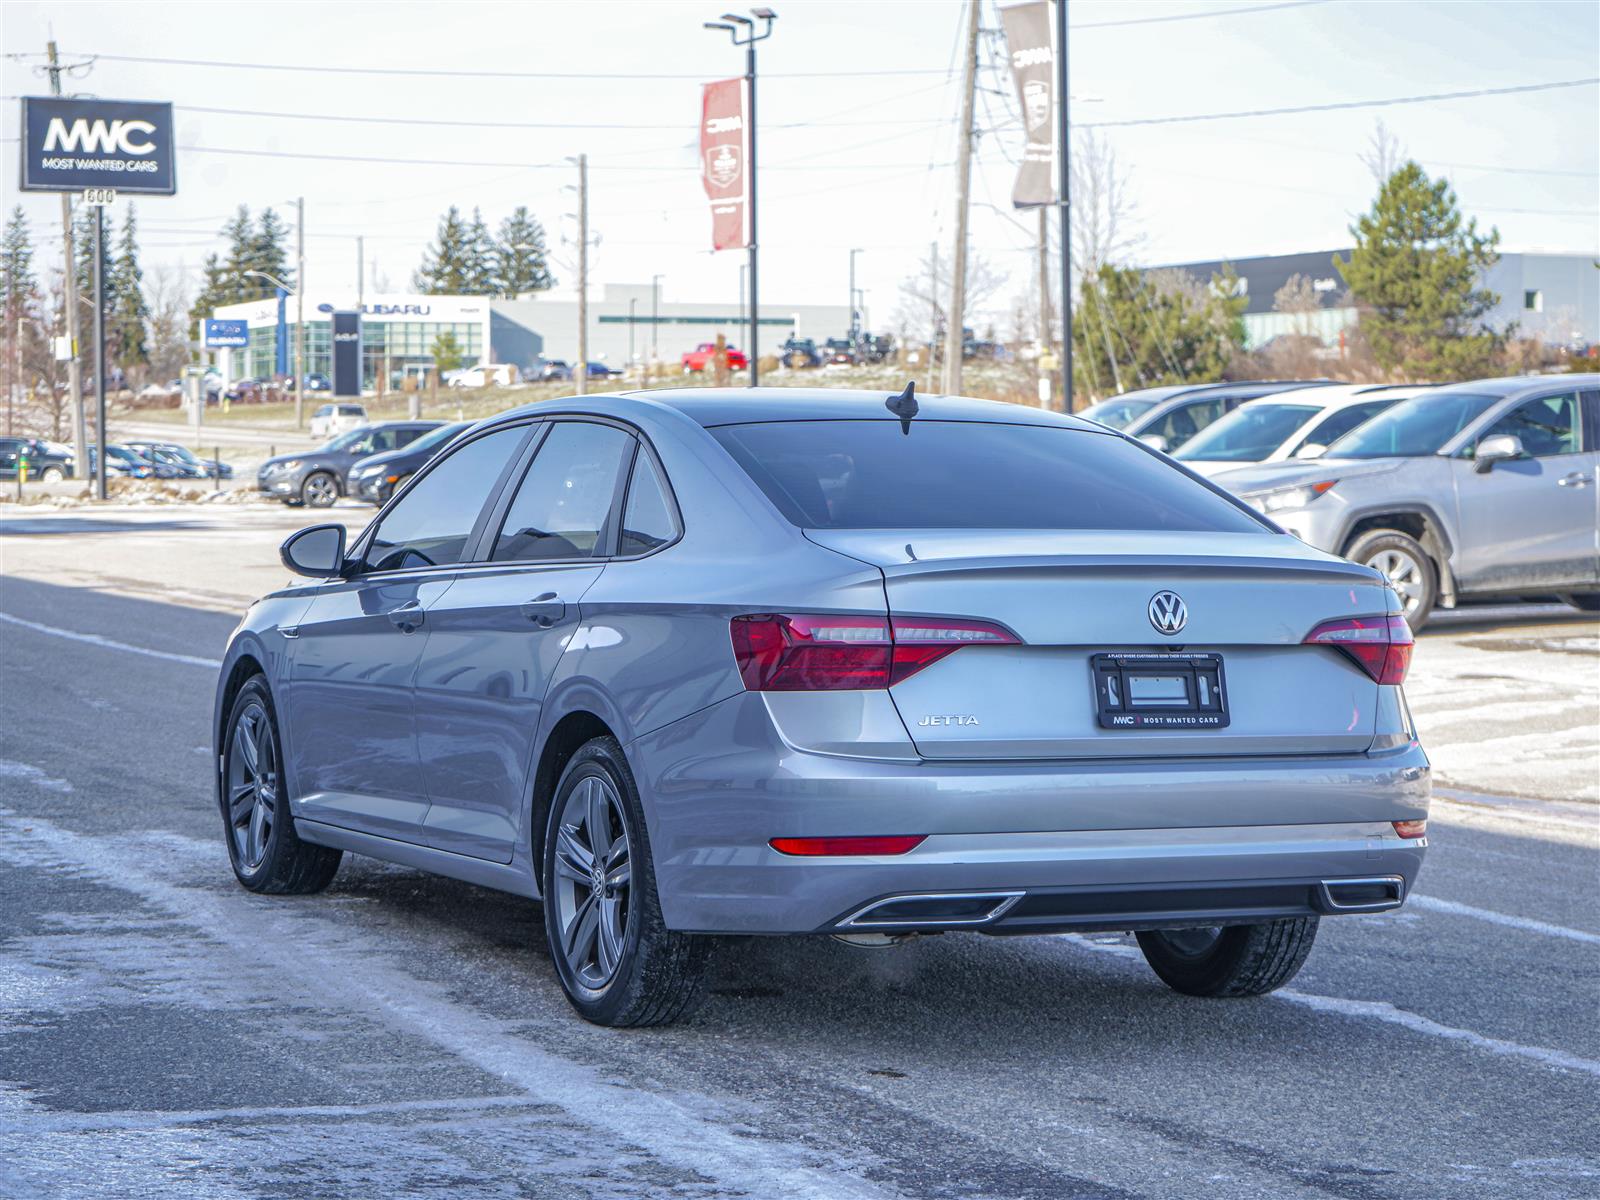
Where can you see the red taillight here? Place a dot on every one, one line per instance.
(1411, 829)
(779, 652)
(1380, 645)
(836, 846)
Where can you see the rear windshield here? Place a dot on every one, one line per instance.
(1248, 434)
(966, 475)
(1414, 427)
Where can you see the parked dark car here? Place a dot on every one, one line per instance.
(839, 352)
(315, 382)
(126, 463)
(599, 370)
(319, 477)
(187, 462)
(247, 390)
(799, 352)
(875, 347)
(554, 369)
(377, 478)
(43, 462)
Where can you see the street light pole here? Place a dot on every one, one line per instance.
(99, 350)
(1064, 174)
(300, 314)
(655, 317)
(855, 321)
(633, 303)
(743, 32)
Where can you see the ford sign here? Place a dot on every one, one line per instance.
(225, 333)
(70, 145)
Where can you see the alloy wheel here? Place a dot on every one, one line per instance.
(1404, 574)
(321, 491)
(593, 881)
(252, 784)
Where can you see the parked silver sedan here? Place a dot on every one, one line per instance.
(1477, 490)
(701, 662)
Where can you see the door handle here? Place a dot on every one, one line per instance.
(409, 616)
(544, 610)
(1575, 479)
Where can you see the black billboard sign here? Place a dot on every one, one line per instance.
(1033, 62)
(346, 353)
(69, 145)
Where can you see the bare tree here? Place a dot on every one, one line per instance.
(169, 322)
(928, 289)
(1384, 153)
(1104, 216)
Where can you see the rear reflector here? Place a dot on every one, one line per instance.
(839, 846)
(779, 652)
(1381, 646)
(1411, 829)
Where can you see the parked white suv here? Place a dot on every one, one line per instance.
(333, 419)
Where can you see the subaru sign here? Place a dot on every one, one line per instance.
(70, 145)
(218, 334)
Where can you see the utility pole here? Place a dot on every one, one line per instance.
(300, 314)
(655, 317)
(1064, 173)
(743, 32)
(80, 433)
(583, 273)
(855, 316)
(100, 350)
(1045, 340)
(933, 297)
(954, 338)
(361, 274)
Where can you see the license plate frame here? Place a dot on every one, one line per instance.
(1140, 691)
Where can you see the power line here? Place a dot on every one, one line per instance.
(1195, 16)
(1340, 104)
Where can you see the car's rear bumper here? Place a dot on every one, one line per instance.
(1071, 844)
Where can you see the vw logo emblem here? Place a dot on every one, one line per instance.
(1168, 613)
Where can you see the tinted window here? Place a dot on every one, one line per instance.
(1118, 414)
(1414, 427)
(431, 523)
(967, 475)
(1248, 435)
(647, 517)
(351, 410)
(562, 504)
(1183, 422)
(1591, 420)
(438, 437)
(404, 437)
(1547, 426)
(1335, 426)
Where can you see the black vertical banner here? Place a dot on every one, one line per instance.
(347, 354)
(1027, 29)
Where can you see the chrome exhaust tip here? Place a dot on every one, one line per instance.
(1373, 894)
(932, 910)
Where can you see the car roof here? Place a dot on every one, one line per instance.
(1511, 385)
(1340, 395)
(710, 407)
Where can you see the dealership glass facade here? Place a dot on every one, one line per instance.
(399, 347)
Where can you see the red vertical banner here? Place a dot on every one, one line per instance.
(723, 155)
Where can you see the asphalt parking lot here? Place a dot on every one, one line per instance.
(166, 1034)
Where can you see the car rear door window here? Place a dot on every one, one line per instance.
(647, 517)
(563, 504)
(971, 475)
(1183, 422)
(433, 522)
(1546, 426)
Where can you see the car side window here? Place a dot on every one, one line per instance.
(563, 503)
(404, 437)
(431, 523)
(1547, 426)
(1183, 422)
(1342, 422)
(647, 520)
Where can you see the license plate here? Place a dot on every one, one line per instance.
(1160, 691)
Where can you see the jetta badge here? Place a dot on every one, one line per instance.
(1168, 613)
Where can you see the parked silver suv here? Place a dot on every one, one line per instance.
(1477, 489)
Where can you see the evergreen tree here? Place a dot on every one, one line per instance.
(480, 257)
(1416, 270)
(447, 264)
(239, 257)
(521, 263)
(213, 293)
(16, 267)
(447, 353)
(127, 335)
(1143, 332)
(83, 249)
(268, 250)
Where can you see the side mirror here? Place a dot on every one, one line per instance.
(1496, 449)
(1311, 450)
(317, 551)
(1155, 441)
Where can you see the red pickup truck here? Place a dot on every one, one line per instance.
(700, 358)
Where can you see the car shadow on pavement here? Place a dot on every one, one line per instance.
(60, 526)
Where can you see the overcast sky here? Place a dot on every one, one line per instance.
(860, 157)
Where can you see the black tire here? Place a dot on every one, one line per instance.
(320, 489)
(287, 866)
(1386, 549)
(1236, 960)
(1583, 601)
(658, 977)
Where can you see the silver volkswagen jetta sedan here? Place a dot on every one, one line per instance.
(699, 662)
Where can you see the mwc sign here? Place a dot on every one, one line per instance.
(70, 145)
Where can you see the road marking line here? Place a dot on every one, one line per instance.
(94, 639)
(1433, 904)
(710, 1136)
(1382, 1010)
